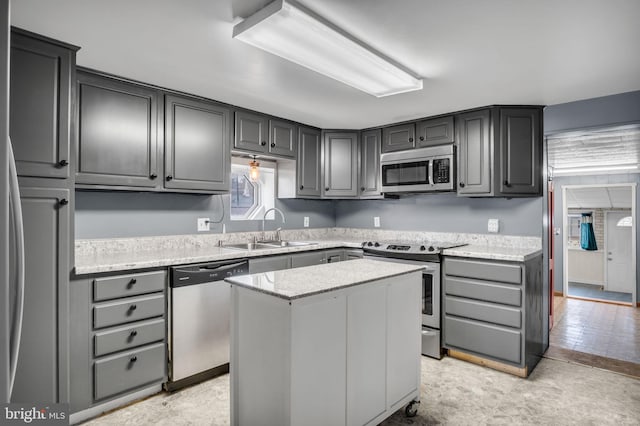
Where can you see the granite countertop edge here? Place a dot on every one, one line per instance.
(509, 254)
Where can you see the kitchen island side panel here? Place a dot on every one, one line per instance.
(536, 320)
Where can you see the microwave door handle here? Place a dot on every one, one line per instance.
(430, 172)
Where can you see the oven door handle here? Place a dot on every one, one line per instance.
(428, 333)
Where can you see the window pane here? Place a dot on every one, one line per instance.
(243, 194)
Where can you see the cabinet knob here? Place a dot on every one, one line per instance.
(169, 178)
(133, 307)
(410, 139)
(132, 281)
(153, 176)
(63, 163)
(461, 184)
(301, 186)
(263, 143)
(507, 184)
(133, 333)
(362, 188)
(326, 188)
(133, 359)
(421, 138)
(63, 202)
(273, 144)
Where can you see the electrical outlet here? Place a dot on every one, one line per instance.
(203, 224)
(493, 226)
(306, 222)
(376, 221)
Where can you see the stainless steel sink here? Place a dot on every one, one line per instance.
(276, 243)
(248, 246)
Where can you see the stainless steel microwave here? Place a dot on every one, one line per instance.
(427, 169)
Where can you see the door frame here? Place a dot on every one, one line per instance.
(633, 246)
(565, 228)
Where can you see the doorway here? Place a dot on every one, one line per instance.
(604, 271)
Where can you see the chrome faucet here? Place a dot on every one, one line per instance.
(264, 217)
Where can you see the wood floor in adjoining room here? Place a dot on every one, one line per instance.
(602, 335)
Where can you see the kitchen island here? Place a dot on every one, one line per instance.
(326, 344)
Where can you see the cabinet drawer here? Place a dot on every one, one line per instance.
(488, 312)
(106, 342)
(130, 370)
(503, 272)
(483, 339)
(128, 310)
(505, 294)
(127, 285)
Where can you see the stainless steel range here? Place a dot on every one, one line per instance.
(427, 254)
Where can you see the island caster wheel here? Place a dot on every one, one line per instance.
(412, 409)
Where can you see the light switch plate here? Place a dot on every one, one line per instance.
(376, 221)
(203, 224)
(493, 226)
(306, 222)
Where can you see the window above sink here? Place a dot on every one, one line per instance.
(250, 199)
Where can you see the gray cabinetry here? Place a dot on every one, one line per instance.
(269, 263)
(283, 139)
(333, 256)
(41, 85)
(118, 336)
(340, 158)
(310, 258)
(308, 164)
(493, 310)
(370, 142)
(436, 131)
(499, 152)
(197, 153)
(117, 133)
(251, 132)
(397, 138)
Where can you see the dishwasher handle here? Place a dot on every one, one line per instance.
(206, 272)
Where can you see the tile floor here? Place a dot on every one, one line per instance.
(589, 291)
(601, 329)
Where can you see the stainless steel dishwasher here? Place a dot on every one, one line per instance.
(199, 305)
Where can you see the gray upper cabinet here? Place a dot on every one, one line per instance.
(282, 138)
(436, 131)
(398, 138)
(40, 130)
(308, 164)
(370, 164)
(340, 157)
(474, 149)
(499, 152)
(251, 132)
(118, 131)
(520, 151)
(197, 151)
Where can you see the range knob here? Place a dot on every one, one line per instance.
(377, 244)
(422, 248)
(369, 243)
(431, 248)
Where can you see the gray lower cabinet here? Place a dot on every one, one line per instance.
(308, 171)
(340, 164)
(270, 263)
(43, 359)
(118, 335)
(398, 138)
(118, 131)
(309, 258)
(493, 309)
(333, 256)
(197, 147)
(500, 152)
(297, 260)
(351, 254)
(435, 131)
(370, 141)
(41, 99)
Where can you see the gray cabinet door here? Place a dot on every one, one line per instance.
(298, 260)
(308, 164)
(474, 153)
(251, 132)
(340, 157)
(397, 138)
(282, 138)
(41, 374)
(197, 153)
(40, 103)
(436, 131)
(370, 164)
(271, 263)
(117, 138)
(520, 151)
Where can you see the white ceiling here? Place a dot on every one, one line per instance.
(471, 53)
(603, 197)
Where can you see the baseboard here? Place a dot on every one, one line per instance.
(558, 293)
(610, 302)
(496, 365)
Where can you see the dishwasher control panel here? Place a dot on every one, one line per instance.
(207, 272)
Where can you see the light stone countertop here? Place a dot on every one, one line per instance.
(295, 283)
(513, 254)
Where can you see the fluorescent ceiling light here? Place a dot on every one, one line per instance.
(577, 170)
(289, 30)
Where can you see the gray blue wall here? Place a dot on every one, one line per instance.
(444, 213)
(104, 214)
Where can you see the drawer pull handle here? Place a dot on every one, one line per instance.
(63, 163)
(132, 282)
(133, 333)
(133, 307)
(133, 358)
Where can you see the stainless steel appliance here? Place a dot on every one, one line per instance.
(199, 305)
(419, 170)
(428, 255)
